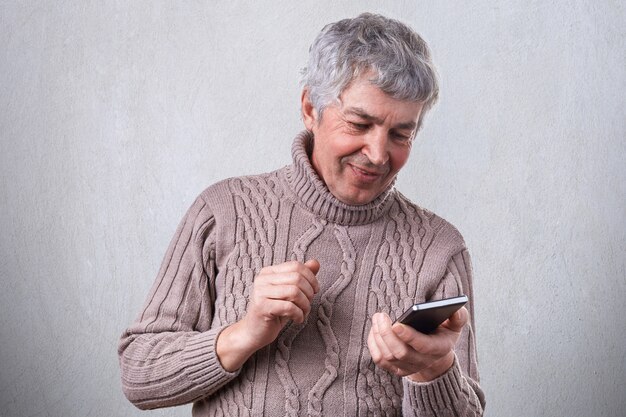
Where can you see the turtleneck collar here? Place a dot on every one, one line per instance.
(315, 196)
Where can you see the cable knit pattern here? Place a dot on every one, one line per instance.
(382, 256)
(289, 333)
(324, 324)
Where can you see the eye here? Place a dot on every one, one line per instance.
(359, 126)
(401, 137)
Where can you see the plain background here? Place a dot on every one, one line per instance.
(115, 115)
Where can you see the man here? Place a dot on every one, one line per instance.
(278, 292)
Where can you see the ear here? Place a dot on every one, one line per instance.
(309, 114)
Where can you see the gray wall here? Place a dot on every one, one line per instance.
(115, 115)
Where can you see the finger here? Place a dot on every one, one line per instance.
(382, 353)
(289, 293)
(373, 347)
(426, 345)
(374, 344)
(288, 266)
(383, 336)
(297, 267)
(313, 267)
(420, 342)
(282, 309)
(288, 279)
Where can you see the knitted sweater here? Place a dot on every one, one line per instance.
(382, 256)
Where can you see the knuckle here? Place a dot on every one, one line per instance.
(260, 278)
(423, 348)
(293, 265)
(292, 277)
(288, 310)
(292, 292)
(385, 332)
(376, 357)
(401, 352)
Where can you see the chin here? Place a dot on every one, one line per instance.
(358, 200)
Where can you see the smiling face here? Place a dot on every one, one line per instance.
(361, 142)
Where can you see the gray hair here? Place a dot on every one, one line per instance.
(399, 58)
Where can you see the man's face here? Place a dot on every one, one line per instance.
(362, 142)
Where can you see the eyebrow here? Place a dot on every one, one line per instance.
(359, 112)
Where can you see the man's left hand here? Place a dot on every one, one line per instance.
(404, 351)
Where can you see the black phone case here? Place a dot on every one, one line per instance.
(426, 317)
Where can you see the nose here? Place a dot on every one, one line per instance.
(376, 147)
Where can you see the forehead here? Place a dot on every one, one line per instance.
(363, 99)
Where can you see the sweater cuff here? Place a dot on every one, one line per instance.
(441, 393)
(202, 365)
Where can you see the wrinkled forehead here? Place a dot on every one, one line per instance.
(368, 103)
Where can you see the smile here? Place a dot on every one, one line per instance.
(365, 175)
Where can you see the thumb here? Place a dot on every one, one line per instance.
(313, 265)
(457, 321)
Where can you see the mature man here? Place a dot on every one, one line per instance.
(278, 292)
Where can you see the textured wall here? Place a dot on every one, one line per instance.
(115, 115)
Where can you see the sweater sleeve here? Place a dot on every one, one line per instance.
(167, 357)
(457, 392)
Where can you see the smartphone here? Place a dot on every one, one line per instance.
(426, 317)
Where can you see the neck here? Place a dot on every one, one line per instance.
(313, 194)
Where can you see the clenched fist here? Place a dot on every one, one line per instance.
(280, 293)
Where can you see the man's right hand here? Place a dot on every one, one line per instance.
(280, 293)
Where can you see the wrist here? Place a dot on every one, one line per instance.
(434, 371)
(233, 348)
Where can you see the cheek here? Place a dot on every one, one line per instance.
(398, 158)
(344, 150)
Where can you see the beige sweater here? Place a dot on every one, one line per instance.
(383, 256)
